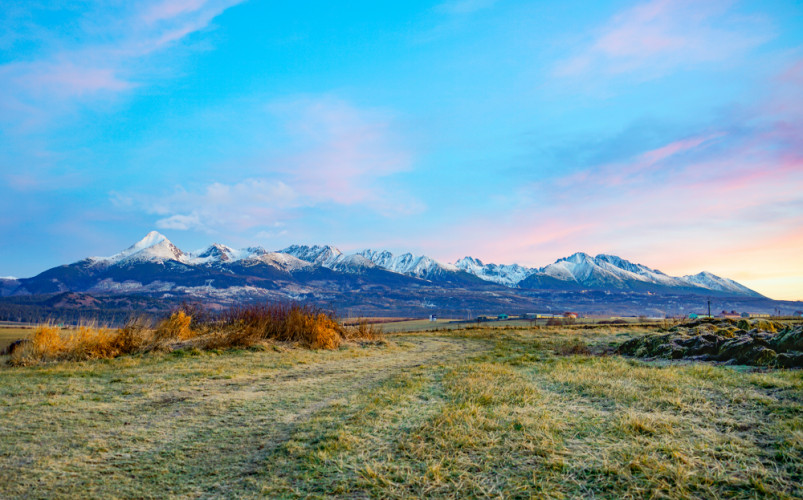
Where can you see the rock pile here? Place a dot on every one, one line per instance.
(745, 342)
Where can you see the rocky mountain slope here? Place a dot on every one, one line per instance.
(156, 267)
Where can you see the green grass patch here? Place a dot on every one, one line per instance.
(469, 413)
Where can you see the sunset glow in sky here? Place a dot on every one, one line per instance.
(668, 132)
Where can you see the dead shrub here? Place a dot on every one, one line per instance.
(238, 327)
(305, 325)
(134, 335)
(176, 327)
(47, 341)
(364, 330)
(88, 342)
(51, 343)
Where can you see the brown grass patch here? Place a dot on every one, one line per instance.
(192, 327)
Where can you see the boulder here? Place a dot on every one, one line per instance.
(789, 340)
(746, 351)
(791, 359)
(746, 342)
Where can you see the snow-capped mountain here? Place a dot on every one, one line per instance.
(154, 247)
(605, 271)
(582, 271)
(419, 266)
(156, 264)
(713, 282)
(325, 255)
(504, 274)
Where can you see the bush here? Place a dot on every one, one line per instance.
(237, 327)
(176, 327)
(50, 343)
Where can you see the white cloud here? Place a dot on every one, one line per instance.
(181, 222)
(335, 155)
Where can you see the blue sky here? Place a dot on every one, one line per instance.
(667, 132)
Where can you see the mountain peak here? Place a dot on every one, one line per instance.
(153, 247)
(577, 258)
(218, 251)
(324, 255)
(468, 261)
(150, 239)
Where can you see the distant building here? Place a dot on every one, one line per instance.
(502, 316)
(731, 314)
(798, 314)
(482, 318)
(693, 316)
(433, 318)
(570, 315)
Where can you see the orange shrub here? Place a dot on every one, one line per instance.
(176, 327)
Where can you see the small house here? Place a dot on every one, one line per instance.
(502, 316)
(570, 315)
(693, 316)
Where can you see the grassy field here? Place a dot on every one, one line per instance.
(466, 413)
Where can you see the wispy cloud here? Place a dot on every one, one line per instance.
(660, 36)
(335, 155)
(340, 152)
(94, 55)
(234, 207)
(725, 200)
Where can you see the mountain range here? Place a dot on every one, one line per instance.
(156, 267)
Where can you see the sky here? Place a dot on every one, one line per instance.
(668, 132)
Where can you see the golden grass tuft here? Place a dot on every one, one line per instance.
(176, 327)
(364, 330)
(47, 341)
(51, 343)
(241, 327)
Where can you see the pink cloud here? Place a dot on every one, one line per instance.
(343, 154)
(730, 203)
(339, 155)
(170, 9)
(63, 78)
(101, 66)
(659, 36)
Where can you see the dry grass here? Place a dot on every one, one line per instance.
(236, 328)
(465, 414)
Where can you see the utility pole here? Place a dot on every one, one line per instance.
(709, 308)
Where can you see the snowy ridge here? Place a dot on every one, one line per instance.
(714, 282)
(154, 247)
(504, 274)
(602, 271)
(419, 266)
(579, 270)
(324, 256)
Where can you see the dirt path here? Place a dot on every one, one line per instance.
(201, 427)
